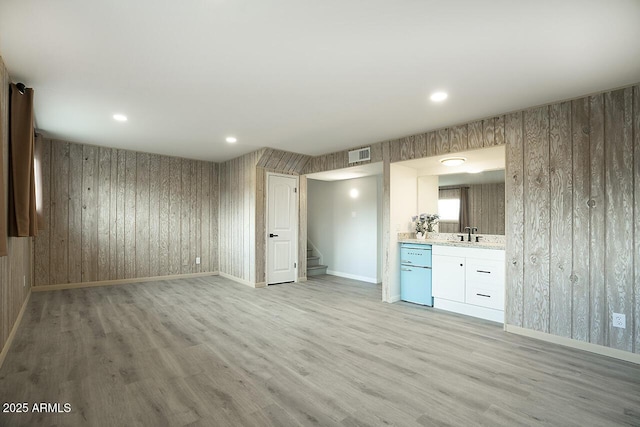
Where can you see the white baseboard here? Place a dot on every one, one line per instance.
(14, 329)
(242, 281)
(394, 298)
(580, 345)
(46, 288)
(353, 276)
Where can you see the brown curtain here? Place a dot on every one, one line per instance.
(463, 219)
(22, 188)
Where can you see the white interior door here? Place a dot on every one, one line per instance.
(282, 228)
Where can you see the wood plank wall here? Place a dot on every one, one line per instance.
(572, 202)
(239, 219)
(572, 218)
(16, 268)
(243, 212)
(479, 134)
(115, 214)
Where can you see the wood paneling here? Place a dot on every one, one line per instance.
(561, 217)
(116, 214)
(340, 159)
(488, 134)
(15, 268)
(241, 217)
(458, 139)
(619, 213)
(581, 191)
(597, 203)
(475, 136)
(537, 218)
(578, 207)
(636, 213)
(514, 230)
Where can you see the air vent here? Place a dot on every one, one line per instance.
(361, 155)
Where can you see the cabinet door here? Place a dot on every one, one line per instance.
(448, 277)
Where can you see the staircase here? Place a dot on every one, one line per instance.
(313, 265)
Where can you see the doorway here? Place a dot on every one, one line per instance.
(282, 228)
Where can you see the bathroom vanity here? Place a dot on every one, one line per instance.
(467, 278)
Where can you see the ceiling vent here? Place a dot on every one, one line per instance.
(361, 155)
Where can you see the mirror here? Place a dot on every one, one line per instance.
(481, 194)
(476, 185)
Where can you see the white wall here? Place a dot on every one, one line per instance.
(344, 229)
(403, 199)
(428, 195)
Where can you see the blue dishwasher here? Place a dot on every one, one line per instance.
(415, 273)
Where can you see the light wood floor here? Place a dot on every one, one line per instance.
(210, 352)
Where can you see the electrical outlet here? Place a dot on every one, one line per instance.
(619, 321)
(197, 260)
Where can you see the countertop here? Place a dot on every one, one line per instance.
(479, 245)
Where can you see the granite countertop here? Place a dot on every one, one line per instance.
(479, 245)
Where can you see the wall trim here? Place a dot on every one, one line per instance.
(14, 329)
(353, 276)
(244, 282)
(45, 288)
(580, 345)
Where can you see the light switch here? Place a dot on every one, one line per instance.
(197, 260)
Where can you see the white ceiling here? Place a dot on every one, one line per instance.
(303, 76)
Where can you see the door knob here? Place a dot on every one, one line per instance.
(273, 235)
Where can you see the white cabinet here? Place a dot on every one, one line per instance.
(485, 283)
(448, 277)
(469, 281)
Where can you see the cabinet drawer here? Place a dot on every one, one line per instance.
(490, 298)
(489, 273)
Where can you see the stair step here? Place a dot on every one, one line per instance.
(316, 270)
(313, 261)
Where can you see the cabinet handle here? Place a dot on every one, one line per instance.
(483, 271)
(406, 262)
(461, 265)
(483, 295)
(407, 269)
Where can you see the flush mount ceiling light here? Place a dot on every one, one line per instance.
(453, 161)
(119, 117)
(439, 96)
(231, 139)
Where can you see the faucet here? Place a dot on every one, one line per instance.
(470, 231)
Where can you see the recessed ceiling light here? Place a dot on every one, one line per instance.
(453, 161)
(354, 193)
(231, 139)
(120, 117)
(439, 96)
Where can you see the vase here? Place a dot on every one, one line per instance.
(421, 236)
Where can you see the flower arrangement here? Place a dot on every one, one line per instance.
(425, 222)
